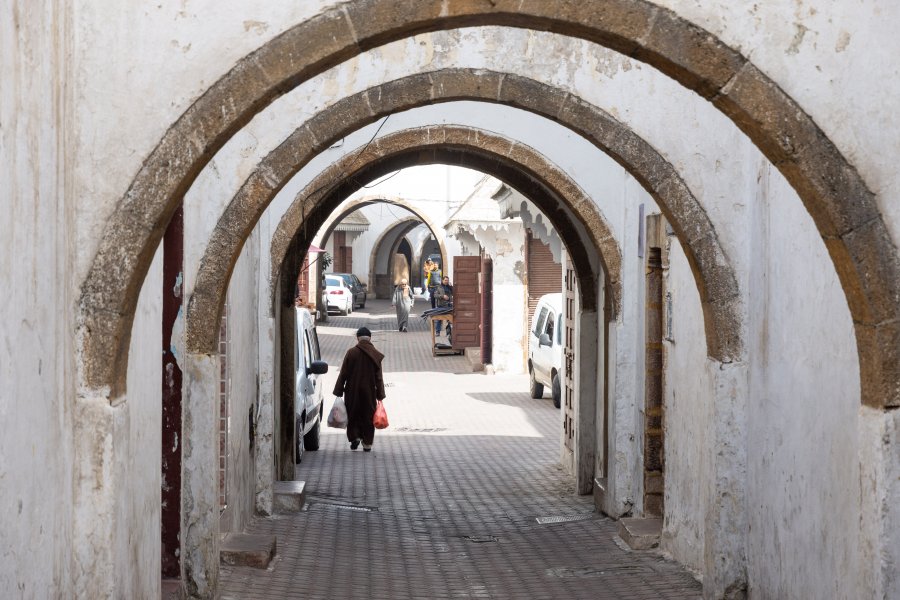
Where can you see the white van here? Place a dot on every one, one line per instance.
(308, 400)
(545, 348)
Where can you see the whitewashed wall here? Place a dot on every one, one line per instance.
(243, 367)
(37, 358)
(688, 397)
(137, 515)
(803, 449)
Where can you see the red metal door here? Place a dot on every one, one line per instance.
(466, 302)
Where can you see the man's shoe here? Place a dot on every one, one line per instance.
(354, 444)
(367, 447)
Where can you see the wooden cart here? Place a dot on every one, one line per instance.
(448, 320)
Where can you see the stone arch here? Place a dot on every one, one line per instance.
(564, 203)
(842, 207)
(280, 241)
(395, 234)
(715, 277)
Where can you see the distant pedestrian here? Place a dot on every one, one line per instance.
(402, 301)
(426, 274)
(362, 383)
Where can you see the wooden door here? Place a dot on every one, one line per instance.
(568, 391)
(466, 302)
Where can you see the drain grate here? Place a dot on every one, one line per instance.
(599, 571)
(481, 539)
(341, 506)
(420, 429)
(564, 519)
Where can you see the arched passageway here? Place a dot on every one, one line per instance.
(716, 280)
(834, 194)
(839, 201)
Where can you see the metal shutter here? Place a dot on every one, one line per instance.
(544, 274)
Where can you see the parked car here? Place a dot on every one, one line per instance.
(338, 295)
(545, 348)
(308, 395)
(357, 287)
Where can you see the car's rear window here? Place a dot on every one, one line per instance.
(333, 281)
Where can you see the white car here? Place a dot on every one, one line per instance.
(545, 348)
(338, 296)
(308, 395)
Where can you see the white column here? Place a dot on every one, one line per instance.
(725, 552)
(200, 476)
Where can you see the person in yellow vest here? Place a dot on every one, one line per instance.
(426, 273)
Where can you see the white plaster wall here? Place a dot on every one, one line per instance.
(803, 465)
(137, 534)
(838, 60)
(36, 346)
(506, 247)
(243, 368)
(688, 396)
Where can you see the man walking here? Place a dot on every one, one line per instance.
(402, 301)
(362, 382)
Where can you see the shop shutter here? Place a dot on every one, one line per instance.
(544, 274)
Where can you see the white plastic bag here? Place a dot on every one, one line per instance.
(337, 418)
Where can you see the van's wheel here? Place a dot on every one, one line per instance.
(299, 451)
(311, 439)
(557, 392)
(536, 389)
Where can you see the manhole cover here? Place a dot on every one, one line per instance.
(563, 519)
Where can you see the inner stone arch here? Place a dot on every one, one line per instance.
(713, 272)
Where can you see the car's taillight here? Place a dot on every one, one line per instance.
(338, 292)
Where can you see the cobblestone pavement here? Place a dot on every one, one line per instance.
(446, 505)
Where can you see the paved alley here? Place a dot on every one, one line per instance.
(448, 503)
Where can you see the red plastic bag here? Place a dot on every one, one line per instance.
(380, 419)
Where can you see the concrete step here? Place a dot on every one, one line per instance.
(170, 589)
(246, 550)
(289, 496)
(640, 534)
(473, 356)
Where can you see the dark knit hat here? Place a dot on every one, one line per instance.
(363, 332)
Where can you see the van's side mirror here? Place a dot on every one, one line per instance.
(545, 340)
(318, 367)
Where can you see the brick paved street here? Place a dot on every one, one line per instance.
(446, 505)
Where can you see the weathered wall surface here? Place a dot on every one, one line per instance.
(803, 446)
(138, 508)
(243, 366)
(37, 365)
(688, 399)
